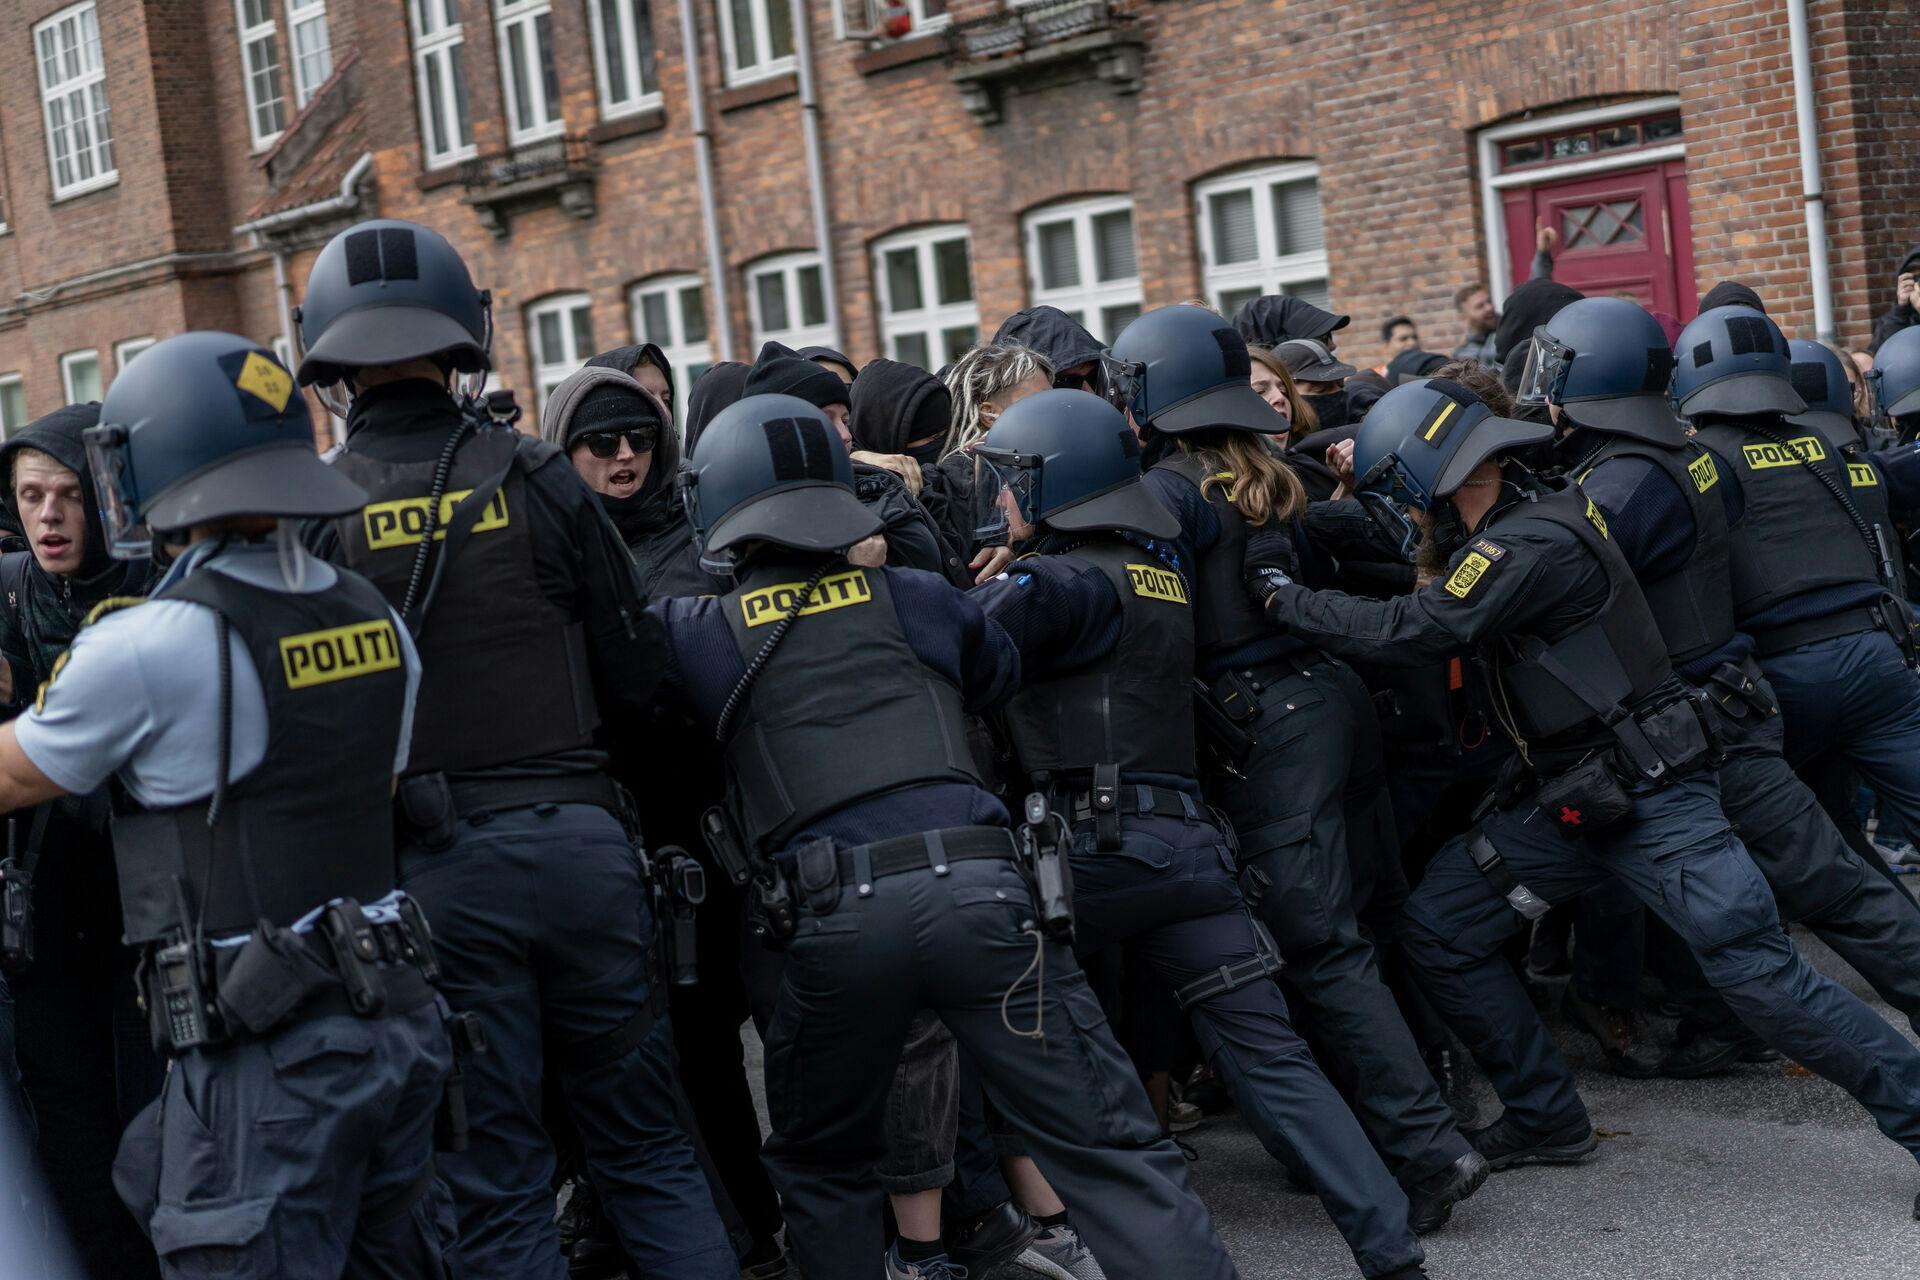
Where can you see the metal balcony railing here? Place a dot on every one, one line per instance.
(1020, 28)
(568, 154)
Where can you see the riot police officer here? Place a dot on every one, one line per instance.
(1614, 771)
(1601, 367)
(1103, 728)
(1183, 374)
(282, 972)
(1815, 559)
(838, 694)
(531, 632)
(1896, 381)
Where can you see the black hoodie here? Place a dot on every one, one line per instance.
(1527, 308)
(627, 359)
(1901, 314)
(896, 404)
(1053, 333)
(1275, 318)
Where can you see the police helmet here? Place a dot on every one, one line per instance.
(1607, 364)
(1420, 442)
(1071, 463)
(1188, 370)
(1733, 360)
(771, 468)
(1822, 383)
(207, 426)
(384, 292)
(1896, 373)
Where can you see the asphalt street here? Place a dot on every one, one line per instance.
(1767, 1173)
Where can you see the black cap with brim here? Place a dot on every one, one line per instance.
(1648, 417)
(1743, 393)
(1491, 437)
(1314, 369)
(810, 516)
(1235, 406)
(389, 335)
(1130, 506)
(1837, 427)
(284, 480)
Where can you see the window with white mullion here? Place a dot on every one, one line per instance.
(527, 75)
(1081, 259)
(439, 52)
(671, 313)
(623, 55)
(73, 91)
(787, 301)
(13, 404)
(1260, 232)
(80, 376)
(756, 38)
(928, 315)
(311, 46)
(560, 337)
(260, 69)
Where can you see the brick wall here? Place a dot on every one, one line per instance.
(1386, 98)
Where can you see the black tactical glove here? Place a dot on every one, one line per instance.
(1271, 562)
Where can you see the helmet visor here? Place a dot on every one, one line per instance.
(1544, 377)
(1000, 475)
(128, 537)
(1385, 496)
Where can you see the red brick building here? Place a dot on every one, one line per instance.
(617, 169)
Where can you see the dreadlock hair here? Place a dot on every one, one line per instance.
(1257, 480)
(981, 375)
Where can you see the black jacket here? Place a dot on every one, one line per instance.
(1053, 333)
(1900, 315)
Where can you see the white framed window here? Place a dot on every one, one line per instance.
(623, 56)
(125, 350)
(924, 281)
(73, 94)
(440, 81)
(525, 34)
(560, 336)
(80, 376)
(312, 48)
(865, 15)
(756, 39)
(13, 404)
(671, 313)
(260, 66)
(1260, 233)
(1080, 258)
(787, 300)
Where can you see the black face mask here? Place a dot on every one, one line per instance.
(1330, 408)
(927, 454)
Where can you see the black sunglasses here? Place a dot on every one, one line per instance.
(604, 444)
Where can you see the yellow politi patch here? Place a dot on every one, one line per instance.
(837, 591)
(1705, 474)
(1862, 474)
(1791, 453)
(262, 378)
(403, 521)
(1467, 575)
(1156, 582)
(339, 653)
(1597, 519)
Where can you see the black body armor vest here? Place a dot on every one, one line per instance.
(1132, 708)
(1868, 493)
(314, 820)
(1618, 651)
(1224, 619)
(504, 672)
(1694, 606)
(1794, 536)
(843, 711)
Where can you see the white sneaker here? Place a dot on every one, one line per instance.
(1059, 1254)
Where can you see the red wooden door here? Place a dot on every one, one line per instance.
(1625, 231)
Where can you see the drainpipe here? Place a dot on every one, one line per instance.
(703, 165)
(816, 175)
(1811, 194)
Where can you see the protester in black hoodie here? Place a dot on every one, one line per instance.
(648, 366)
(1069, 348)
(713, 391)
(1275, 318)
(1527, 308)
(86, 1065)
(1906, 300)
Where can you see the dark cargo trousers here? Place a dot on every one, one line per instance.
(1818, 879)
(1681, 859)
(1855, 698)
(962, 945)
(308, 1152)
(1170, 895)
(541, 922)
(1291, 813)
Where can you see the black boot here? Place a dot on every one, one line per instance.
(1430, 1201)
(1505, 1144)
(1706, 1053)
(1621, 1037)
(996, 1236)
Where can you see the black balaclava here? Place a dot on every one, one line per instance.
(895, 403)
(716, 389)
(1329, 407)
(1731, 293)
(779, 371)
